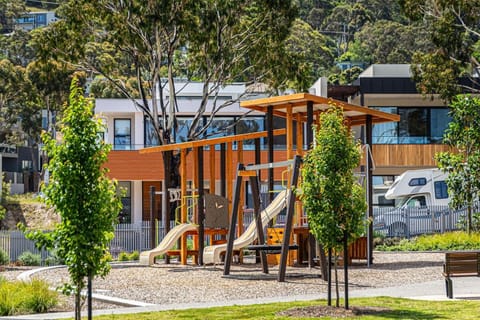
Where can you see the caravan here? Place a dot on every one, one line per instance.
(422, 198)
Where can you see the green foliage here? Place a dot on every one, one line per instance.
(453, 29)
(463, 164)
(28, 258)
(26, 297)
(81, 193)
(438, 242)
(135, 255)
(123, 256)
(332, 198)
(4, 257)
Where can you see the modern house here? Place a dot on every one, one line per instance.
(412, 142)
(33, 20)
(129, 131)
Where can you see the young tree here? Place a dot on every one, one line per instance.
(334, 201)
(463, 163)
(82, 194)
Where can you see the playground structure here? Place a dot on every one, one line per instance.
(300, 111)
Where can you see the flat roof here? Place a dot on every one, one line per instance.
(299, 101)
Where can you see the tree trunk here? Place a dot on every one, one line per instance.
(323, 263)
(337, 290)
(78, 304)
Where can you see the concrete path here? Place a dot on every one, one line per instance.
(463, 289)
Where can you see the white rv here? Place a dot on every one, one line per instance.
(422, 199)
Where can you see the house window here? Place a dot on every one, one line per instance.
(122, 134)
(125, 192)
(416, 126)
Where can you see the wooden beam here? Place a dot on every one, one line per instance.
(289, 132)
(212, 169)
(211, 141)
(299, 142)
(183, 203)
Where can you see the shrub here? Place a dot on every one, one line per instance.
(445, 241)
(54, 259)
(123, 256)
(4, 257)
(40, 298)
(30, 259)
(135, 255)
(25, 297)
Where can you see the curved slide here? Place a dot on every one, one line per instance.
(211, 254)
(147, 257)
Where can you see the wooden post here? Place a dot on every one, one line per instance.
(200, 212)
(152, 217)
(229, 173)
(270, 151)
(233, 222)
(212, 169)
(223, 170)
(289, 132)
(368, 136)
(299, 135)
(183, 203)
(289, 220)
(242, 197)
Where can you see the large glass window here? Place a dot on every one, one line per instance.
(249, 125)
(150, 136)
(122, 134)
(124, 190)
(416, 126)
(183, 126)
(385, 133)
(439, 120)
(413, 126)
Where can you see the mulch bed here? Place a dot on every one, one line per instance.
(330, 311)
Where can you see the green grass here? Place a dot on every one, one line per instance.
(18, 297)
(397, 309)
(437, 242)
(26, 198)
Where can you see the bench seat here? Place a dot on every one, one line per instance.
(460, 264)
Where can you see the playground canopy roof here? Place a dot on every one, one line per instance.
(298, 103)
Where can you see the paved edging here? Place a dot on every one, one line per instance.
(26, 276)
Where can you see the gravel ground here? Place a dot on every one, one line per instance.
(173, 283)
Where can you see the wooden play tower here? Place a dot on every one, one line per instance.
(223, 155)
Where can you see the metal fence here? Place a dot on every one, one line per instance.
(128, 238)
(408, 222)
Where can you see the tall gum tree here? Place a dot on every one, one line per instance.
(216, 42)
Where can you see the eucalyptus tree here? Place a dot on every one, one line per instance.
(9, 10)
(455, 33)
(334, 201)
(462, 163)
(156, 41)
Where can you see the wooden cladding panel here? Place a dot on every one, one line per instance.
(412, 155)
(146, 200)
(130, 165)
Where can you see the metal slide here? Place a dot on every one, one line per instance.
(211, 254)
(147, 257)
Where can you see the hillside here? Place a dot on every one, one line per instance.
(35, 215)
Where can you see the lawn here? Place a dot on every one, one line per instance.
(396, 308)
